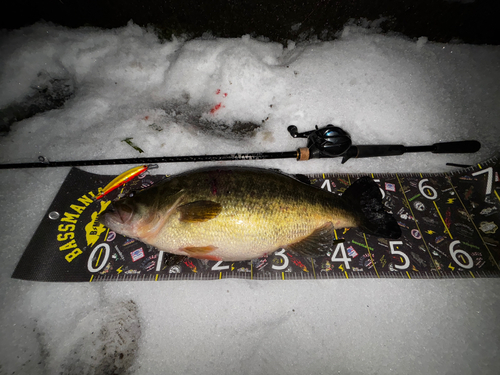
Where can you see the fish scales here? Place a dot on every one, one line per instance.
(233, 213)
(260, 213)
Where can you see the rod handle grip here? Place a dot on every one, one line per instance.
(458, 147)
(366, 151)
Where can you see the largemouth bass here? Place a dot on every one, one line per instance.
(240, 213)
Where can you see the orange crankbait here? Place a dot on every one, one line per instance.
(122, 179)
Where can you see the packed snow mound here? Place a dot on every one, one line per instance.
(211, 95)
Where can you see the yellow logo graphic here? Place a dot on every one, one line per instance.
(94, 229)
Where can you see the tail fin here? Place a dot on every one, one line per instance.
(365, 198)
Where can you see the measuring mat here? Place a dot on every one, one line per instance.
(449, 223)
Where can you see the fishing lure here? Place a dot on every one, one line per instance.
(123, 178)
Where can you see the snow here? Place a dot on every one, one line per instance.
(185, 97)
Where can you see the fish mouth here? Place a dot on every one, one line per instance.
(118, 213)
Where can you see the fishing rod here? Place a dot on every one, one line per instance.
(326, 142)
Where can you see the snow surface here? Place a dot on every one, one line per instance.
(185, 97)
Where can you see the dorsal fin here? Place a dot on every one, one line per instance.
(302, 178)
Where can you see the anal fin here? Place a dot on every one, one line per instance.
(317, 243)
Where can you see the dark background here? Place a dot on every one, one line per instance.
(439, 20)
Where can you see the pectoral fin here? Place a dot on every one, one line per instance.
(317, 243)
(199, 211)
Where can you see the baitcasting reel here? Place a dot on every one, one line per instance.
(328, 142)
